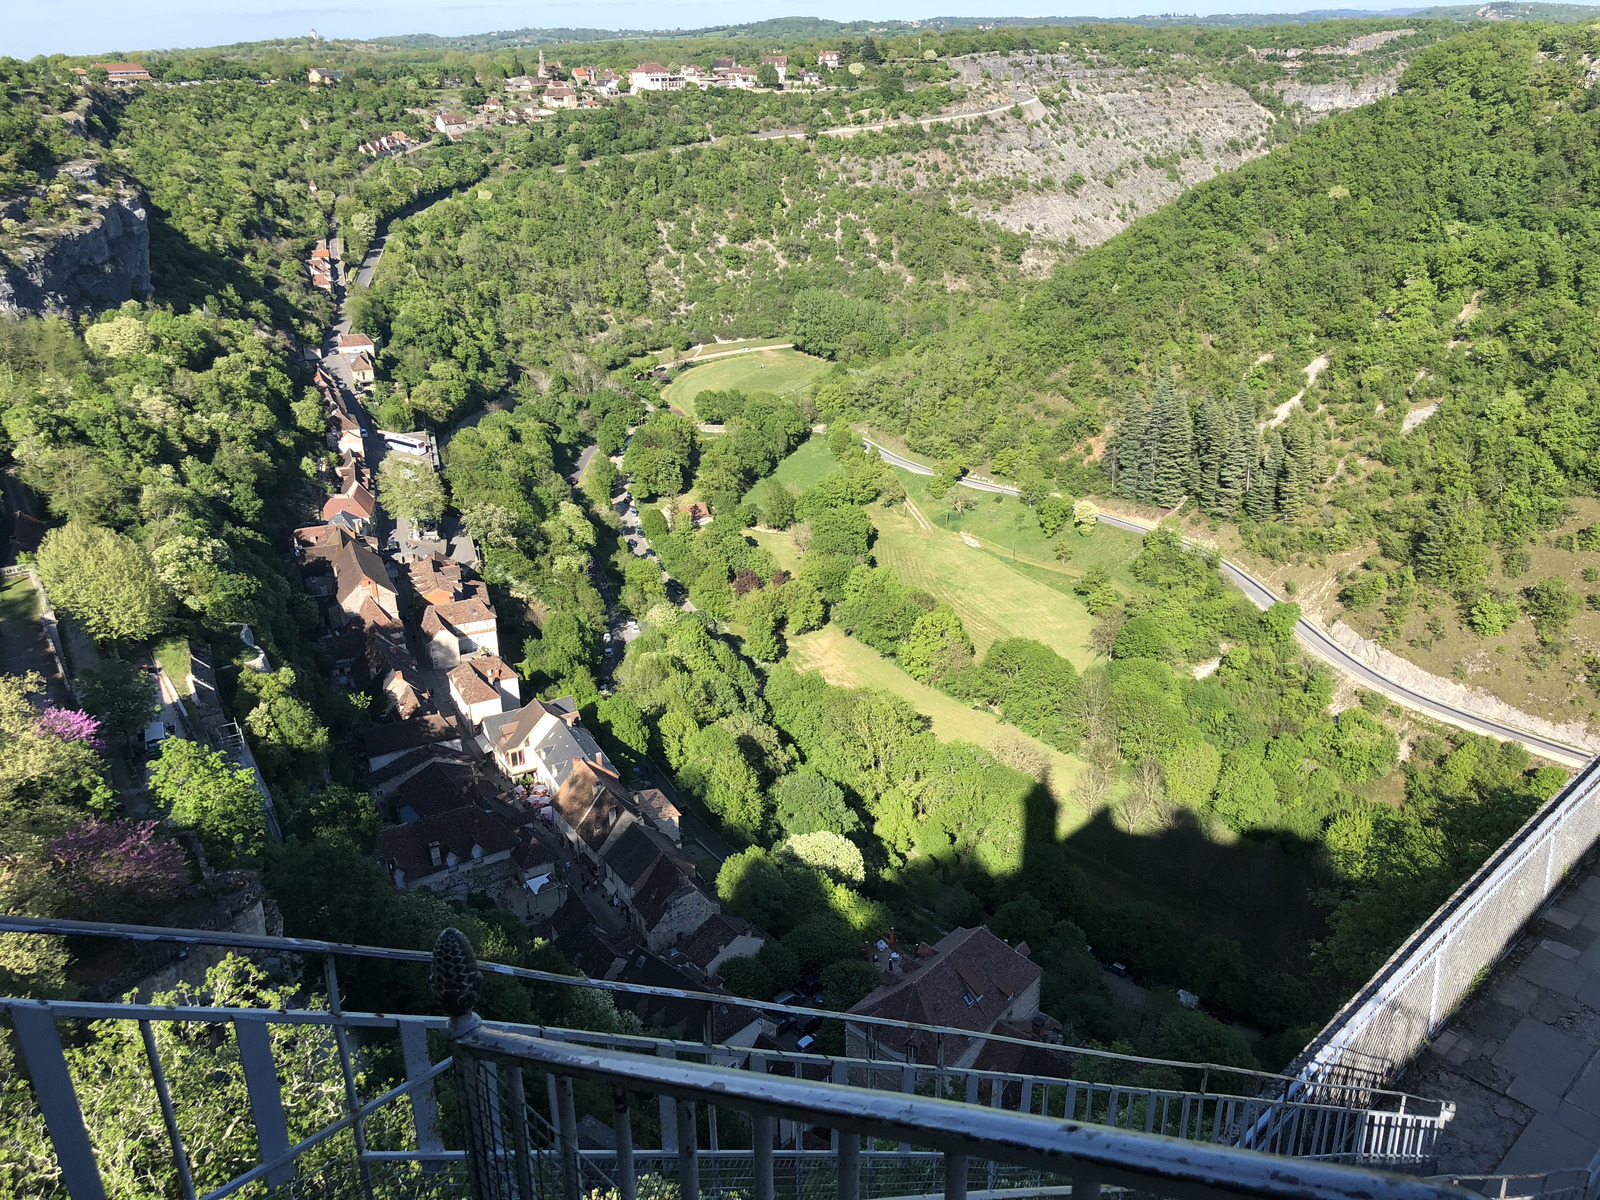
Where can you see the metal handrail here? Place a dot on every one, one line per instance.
(1146, 1162)
(1358, 1095)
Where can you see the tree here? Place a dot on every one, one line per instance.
(777, 505)
(1278, 622)
(1246, 795)
(1192, 770)
(1552, 603)
(806, 802)
(201, 790)
(935, 646)
(104, 579)
(118, 870)
(121, 695)
(1053, 512)
(409, 488)
(829, 852)
(1144, 637)
(767, 76)
(1190, 1036)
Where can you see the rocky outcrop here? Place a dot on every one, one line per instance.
(1321, 98)
(102, 261)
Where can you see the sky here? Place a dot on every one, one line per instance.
(30, 27)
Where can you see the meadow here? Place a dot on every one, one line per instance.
(778, 371)
(845, 662)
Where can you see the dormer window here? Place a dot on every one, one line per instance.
(968, 997)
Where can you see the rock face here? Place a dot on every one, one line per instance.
(102, 262)
(1322, 98)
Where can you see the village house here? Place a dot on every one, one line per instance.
(362, 580)
(521, 83)
(829, 59)
(347, 435)
(718, 939)
(388, 742)
(668, 905)
(483, 686)
(458, 629)
(439, 852)
(653, 77)
(361, 370)
(779, 63)
(607, 83)
(356, 344)
(450, 124)
(560, 95)
(654, 807)
(359, 504)
(542, 738)
(969, 980)
(693, 74)
(435, 579)
(323, 77)
(391, 143)
(388, 782)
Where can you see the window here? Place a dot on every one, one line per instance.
(966, 994)
(517, 757)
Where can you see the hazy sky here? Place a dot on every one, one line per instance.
(30, 27)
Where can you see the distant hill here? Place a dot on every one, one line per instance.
(811, 27)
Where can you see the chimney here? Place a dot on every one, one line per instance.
(436, 854)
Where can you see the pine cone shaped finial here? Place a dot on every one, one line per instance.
(455, 975)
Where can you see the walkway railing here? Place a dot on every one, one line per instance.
(363, 1143)
(1408, 1001)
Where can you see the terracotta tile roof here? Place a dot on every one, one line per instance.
(969, 982)
(357, 500)
(471, 611)
(356, 565)
(651, 69)
(475, 679)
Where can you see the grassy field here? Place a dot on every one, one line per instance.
(846, 662)
(780, 543)
(18, 601)
(994, 599)
(809, 462)
(777, 371)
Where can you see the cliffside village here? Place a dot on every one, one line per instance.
(486, 792)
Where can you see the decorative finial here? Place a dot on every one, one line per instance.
(455, 975)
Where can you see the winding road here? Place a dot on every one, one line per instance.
(1316, 640)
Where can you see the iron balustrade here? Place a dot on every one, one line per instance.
(1400, 1137)
(1358, 1093)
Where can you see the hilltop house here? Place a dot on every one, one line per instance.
(450, 124)
(779, 63)
(560, 95)
(323, 76)
(120, 74)
(829, 59)
(653, 77)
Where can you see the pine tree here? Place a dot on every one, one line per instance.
(1172, 432)
(1299, 452)
(1211, 440)
(1129, 448)
(1261, 501)
(1241, 456)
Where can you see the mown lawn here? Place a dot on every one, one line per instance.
(780, 372)
(845, 662)
(809, 462)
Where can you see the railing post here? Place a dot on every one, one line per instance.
(688, 1152)
(330, 974)
(622, 1124)
(519, 1132)
(955, 1177)
(266, 1096)
(849, 1166)
(571, 1185)
(169, 1116)
(424, 1102)
(763, 1130)
(456, 979)
(57, 1099)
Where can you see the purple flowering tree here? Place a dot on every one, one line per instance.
(71, 725)
(116, 869)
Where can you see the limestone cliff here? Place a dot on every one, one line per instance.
(97, 257)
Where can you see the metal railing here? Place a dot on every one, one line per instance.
(361, 1144)
(1407, 1002)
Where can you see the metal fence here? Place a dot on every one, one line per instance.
(1017, 1153)
(1408, 1001)
(389, 1139)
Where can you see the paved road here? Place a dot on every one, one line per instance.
(1317, 640)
